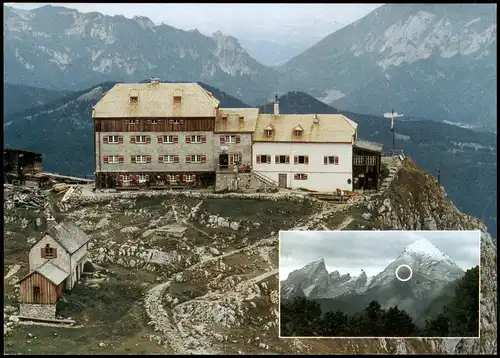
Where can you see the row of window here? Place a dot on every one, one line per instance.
(362, 160)
(297, 159)
(144, 159)
(169, 139)
(169, 178)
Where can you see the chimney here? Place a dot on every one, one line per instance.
(155, 81)
(276, 106)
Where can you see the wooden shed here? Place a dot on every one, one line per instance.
(44, 285)
(366, 165)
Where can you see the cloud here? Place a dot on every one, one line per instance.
(372, 251)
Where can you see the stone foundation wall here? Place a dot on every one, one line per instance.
(241, 182)
(37, 311)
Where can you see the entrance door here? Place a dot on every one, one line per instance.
(223, 161)
(282, 180)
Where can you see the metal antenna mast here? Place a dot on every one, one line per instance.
(393, 115)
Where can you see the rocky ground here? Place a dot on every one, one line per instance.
(196, 272)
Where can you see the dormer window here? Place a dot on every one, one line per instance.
(177, 96)
(297, 131)
(133, 121)
(177, 99)
(224, 117)
(268, 131)
(242, 118)
(134, 96)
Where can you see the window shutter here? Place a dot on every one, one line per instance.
(55, 253)
(177, 178)
(337, 160)
(238, 139)
(132, 159)
(287, 159)
(176, 139)
(105, 159)
(184, 178)
(188, 139)
(105, 139)
(295, 159)
(325, 160)
(42, 252)
(121, 178)
(258, 159)
(222, 139)
(306, 159)
(203, 158)
(160, 159)
(148, 139)
(120, 159)
(203, 139)
(194, 177)
(148, 159)
(176, 159)
(296, 176)
(147, 177)
(188, 159)
(268, 159)
(120, 139)
(277, 159)
(305, 176)
(160, 139)
(132, 139)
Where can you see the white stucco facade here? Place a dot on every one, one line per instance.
(320, 177)
(35, 255)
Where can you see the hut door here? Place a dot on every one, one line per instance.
(36, 294)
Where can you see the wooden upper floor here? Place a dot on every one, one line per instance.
(178, 124)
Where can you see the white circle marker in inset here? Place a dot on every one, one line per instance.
(404, 279)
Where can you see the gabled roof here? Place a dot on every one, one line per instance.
(326, 128)
(233, 124)
(68, 235)
(298, 128)
(367, 145)
(156, 101)
(51, 272)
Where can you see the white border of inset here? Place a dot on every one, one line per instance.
(358, 231)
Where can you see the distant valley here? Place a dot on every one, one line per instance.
(428, 61)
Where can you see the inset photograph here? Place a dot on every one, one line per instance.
(364, 284)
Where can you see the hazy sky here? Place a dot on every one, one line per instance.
(250, 21)
(372, 251)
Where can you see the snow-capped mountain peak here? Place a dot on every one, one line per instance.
(425, 248)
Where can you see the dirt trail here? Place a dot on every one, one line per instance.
(12, 271)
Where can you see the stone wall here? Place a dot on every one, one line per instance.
(239, 182)
(37, 311)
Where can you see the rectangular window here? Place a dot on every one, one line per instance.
(230, 139)
(140, 139)
(282, 159)
(154, 121)
(49, 252)
(300, 176)
(170, 139)
(141, 159)
(176, 121)
(333, 159)
(196, 159)
(235, 158)
(133, 121)
(169, 159)
(142, 178)
(113, 159)
(371, 160)
(359, 160)
(190, 178)
(196, 139)
(263, 158)
(126, 178)
(113, 139)
(301, 159)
